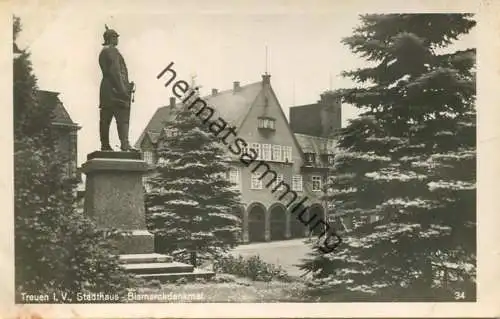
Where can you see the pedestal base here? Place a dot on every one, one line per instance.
(137, 242)
(114, 198)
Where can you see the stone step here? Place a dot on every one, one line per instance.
(169, 277)
(145, 258)
(156, 268)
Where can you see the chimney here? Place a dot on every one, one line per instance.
(215, 91)
(172, 102)
(236, 86)
(331, 113)
(266, 78)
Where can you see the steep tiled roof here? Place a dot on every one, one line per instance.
(231, 106)
(316, 144)
(155, 124)
(60, 114)
(153, 136)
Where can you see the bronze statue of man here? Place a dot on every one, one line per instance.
(115, 93)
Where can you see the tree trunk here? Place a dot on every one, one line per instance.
(192, 258)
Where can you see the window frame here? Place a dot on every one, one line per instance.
(255, 177)
(237, 176)
(287, 150)
(276, 149)
(266, 152)
(298, 180)
(316, 178)
(310, 157)
(331, 159)
(150, 156)
(258, 149)
(266, 123)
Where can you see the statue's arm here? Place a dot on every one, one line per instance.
(112, 70)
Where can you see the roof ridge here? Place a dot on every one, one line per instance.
(314, 136)
(207, 96)
(228, 104)
(231, 90)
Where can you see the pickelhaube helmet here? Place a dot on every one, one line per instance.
(108, 34)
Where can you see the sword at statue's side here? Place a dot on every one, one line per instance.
(132, 92)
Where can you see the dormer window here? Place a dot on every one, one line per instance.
(171, 132)
(328, 159)
(267, 123)
(331, 159)
(310, 157)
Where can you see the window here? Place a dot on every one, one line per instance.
(266, 152)
(148, 157)
(256, 181)
(256, 147)
(279, 179)
(147, 186)
(277, 153)
(234, 177)
(310, 157)
(244, 150)
(316, 183)
(287, 153)
(331, 159)
(374, 218)
(266, 123)
(297, 183)
(170, 132)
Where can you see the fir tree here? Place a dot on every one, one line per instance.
(57, 249)
(408, 159)
(191, 205)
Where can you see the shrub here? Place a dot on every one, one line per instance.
(252, 267)
(57, 248)
(224, 278)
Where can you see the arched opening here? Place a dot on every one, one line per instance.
(297, 227)
(315, 226)
(278, 222)
(256, 223)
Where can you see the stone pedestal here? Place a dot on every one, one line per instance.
(114, 197)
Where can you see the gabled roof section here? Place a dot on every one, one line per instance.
(153, 129)
(153, 136)
(316, 144)
(297, 144)
(232, 106)
(60, 114)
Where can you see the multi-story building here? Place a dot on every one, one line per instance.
(299, 151)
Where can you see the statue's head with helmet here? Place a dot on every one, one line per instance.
(110, 36)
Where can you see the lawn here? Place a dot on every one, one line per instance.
(236, 289)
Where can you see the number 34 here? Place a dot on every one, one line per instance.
(459, 295)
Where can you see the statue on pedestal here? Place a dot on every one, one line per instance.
(116, 93)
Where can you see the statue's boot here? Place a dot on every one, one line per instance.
(104, 136)
(123, 136)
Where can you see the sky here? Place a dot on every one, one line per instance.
(220, 43)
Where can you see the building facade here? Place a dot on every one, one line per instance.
(299, 153)
(67, 131)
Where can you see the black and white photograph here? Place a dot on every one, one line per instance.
(280, 158)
